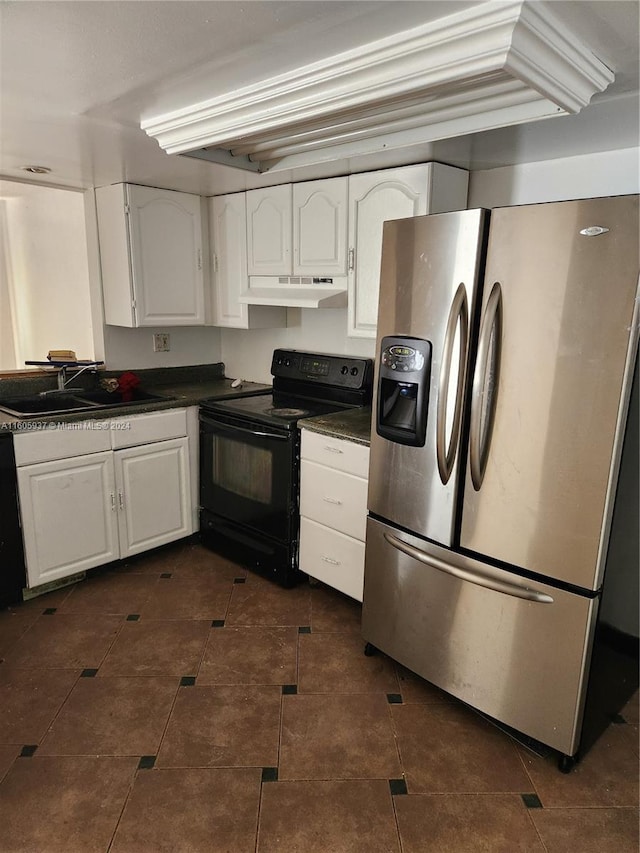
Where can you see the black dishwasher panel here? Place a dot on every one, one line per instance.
(12, 571)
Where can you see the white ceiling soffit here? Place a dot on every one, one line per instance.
(494, 65)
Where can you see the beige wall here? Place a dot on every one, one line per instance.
(44, 281)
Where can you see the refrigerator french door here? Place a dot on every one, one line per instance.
(502, 391)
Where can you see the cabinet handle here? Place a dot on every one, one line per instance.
(199, 259)
(215, 263)
(330, 560)
(333, 449)
(120, 500)
(352, 259)
(333, 501)
(113, 501)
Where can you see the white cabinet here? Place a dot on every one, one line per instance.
(269, 235)
(298, 229)
(320, 227)
(151, 256)
(69, 518)
(86, 510)
(153, 496)
(390, 194)
(228, 245)
(333, 510)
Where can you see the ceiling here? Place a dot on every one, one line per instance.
(76, 79)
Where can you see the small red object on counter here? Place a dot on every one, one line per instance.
(127, 384)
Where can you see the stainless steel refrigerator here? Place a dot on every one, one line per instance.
(504, 366)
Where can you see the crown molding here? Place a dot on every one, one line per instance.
(495, 64)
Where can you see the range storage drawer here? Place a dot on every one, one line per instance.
(335, 499)
(345, 456)
(332, 557)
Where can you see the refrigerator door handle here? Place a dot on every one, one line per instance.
(479, 439)
(469, 575)
(458, 315)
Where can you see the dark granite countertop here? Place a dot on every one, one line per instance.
(182, 386)
(349, 424)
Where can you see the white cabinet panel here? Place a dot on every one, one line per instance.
(346, 456)
(151, 254)
(69, 516)
(333, 498)
(332, 557)
(228, 243)
(320, 227)
(269, 231)
(375, 197)
(61, 441)
(153, 495)
(152, 426)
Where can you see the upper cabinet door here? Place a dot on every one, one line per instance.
(228, 240)
(166, 250)
(151, 256)
(269, 231)
(375, 197)
(320, 227)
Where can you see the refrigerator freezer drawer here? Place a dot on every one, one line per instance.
(513, 648)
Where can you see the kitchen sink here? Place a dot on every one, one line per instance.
(114, 398)
(58, 404)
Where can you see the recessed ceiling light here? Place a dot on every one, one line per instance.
(36, 170)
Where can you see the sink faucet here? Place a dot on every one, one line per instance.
(62, 379)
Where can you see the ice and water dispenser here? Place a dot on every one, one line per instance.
(403, 390)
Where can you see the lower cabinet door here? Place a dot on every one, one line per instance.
(69, 517)
(332, 557)
(153, 494)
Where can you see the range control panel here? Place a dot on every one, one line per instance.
(323, 369)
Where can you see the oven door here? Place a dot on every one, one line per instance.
(248, 474)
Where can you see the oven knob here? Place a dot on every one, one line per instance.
(354, 371)
(287, 362)
(344, 370)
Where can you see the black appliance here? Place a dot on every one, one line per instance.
(250, 458)
(12, 570)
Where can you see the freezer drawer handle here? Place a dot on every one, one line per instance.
(466, 574)
(484, 391)
(459, 314)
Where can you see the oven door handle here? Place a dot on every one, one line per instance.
(232, 428)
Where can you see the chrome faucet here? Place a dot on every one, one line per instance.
(62, 379)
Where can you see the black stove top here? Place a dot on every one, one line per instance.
(274, 409)
(305, 385)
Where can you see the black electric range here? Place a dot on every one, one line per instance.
(250, 458)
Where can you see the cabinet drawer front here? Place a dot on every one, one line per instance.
(333, 498)
(346, 456)
(61, 441)
(332, 557)
(154, 426)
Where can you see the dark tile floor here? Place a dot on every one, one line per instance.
(181, 704)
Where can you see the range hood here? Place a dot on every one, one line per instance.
(493, 65)
(296, 291)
